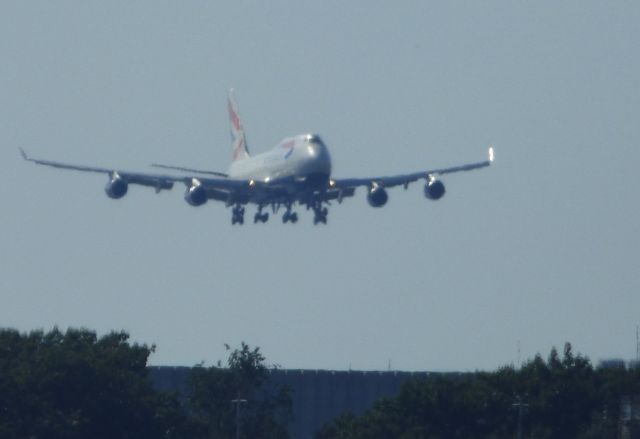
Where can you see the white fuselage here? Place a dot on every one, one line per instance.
(295, 158)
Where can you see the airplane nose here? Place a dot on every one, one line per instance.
(315, 146)
(313, 149)
(318, 155)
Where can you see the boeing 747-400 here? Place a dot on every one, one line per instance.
(297, 172)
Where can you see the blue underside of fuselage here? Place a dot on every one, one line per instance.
(286, 190)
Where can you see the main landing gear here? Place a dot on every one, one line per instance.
(320, 214)
(237, 215)
(260, 217)
(289, 216)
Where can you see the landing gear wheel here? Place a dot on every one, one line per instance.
(260, 218)
(320, 215)
(289, 216)
(237, 215)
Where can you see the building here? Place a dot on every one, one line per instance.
(319, 396)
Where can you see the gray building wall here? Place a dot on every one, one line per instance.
(318, 396)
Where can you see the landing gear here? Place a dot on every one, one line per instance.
(290, 217)
(320, 214)
(260, 217)
(237, 215)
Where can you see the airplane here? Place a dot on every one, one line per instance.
(296, 172)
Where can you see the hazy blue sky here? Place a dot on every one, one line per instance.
(541, 248)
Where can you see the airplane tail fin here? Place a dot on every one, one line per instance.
(238, 139)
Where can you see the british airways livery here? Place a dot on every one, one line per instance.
(297, 172)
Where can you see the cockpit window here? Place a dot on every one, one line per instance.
(314, 138)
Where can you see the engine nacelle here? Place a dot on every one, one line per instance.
(196, 195)
(377, 196)
(116, 187)
(434, 189)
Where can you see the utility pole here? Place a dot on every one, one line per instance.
(519, 361)
(637, 346)
(521, 406)
(238, 402)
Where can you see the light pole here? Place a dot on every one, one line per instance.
(521, 406)
(238, 402)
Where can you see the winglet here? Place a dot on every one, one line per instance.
(24, 154)
(492, 154)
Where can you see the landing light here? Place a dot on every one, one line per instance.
(252, 183)
(332, 183)
(491, 154)
(267, 179)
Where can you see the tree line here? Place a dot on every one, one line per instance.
(560, 398)
(74, 384)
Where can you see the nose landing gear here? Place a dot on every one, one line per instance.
(237, 215)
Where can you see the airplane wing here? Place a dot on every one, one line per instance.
(184, 169)
(239, 192)
(157, 181)
(405, 179)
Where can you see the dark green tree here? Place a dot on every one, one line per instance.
(266, 412)
(76, 385)
(565, 398)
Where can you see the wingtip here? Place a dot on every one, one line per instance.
(23, 154)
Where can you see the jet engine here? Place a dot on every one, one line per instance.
(116, 187)
(434, 189)
(377, 196)
(196, 195)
